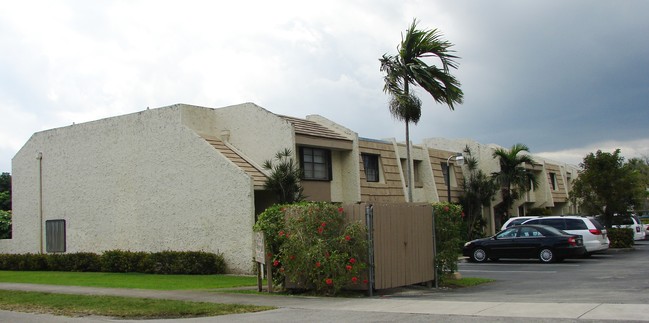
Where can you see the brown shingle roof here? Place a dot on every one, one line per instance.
(258, 177)
(310, 128)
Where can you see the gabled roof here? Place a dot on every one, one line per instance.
(314, 129)
(258, 177)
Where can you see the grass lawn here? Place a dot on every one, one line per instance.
(130, 280)
(465, 282)
(122, 307)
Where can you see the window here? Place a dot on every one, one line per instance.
(371, 165)
(316, 163)
(509, 233)
(553, 181)
(55, 235)
(529, 232)
(416, 173)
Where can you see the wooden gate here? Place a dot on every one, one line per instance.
(401, 241)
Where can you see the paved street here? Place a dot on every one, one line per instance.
(608, 287)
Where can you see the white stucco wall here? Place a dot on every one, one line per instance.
(140, 182)
(256, 132)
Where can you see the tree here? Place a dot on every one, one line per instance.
(5, 191)
(284, 179)
(607, 185)
(5, 224)
(641, 166)
(478, 192)
(513, 179)
(408, 68)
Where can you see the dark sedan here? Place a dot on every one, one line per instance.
(526, 241)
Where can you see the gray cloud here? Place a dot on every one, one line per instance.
(558, 76)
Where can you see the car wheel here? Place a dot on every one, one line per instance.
(479, 255)
(546, 255)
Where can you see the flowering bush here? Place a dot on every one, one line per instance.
(448, 221)
(317, 248)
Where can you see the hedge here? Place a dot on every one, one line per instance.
(165, 262)
(620, 238)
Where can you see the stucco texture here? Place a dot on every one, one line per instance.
(140, 182)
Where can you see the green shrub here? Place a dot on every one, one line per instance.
(81, 261)
(448, 222)
(620, 238)
(314, 247)
(184, 262)
(271, 222)
(119, 261)
(166, 262)
(27, 262)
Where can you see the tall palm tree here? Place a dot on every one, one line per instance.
(513, 178)
(408, 68)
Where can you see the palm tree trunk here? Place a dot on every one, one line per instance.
(408, 159)
(406, 90)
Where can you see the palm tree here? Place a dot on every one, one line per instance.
(408, 68)
(513, 178)
(284, 178)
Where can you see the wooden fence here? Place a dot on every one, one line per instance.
(401, 242)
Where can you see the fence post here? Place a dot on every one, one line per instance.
(369, 219)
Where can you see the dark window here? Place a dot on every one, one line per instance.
(55, 235)
(445, 172)
(553, 181)
(316, 163)
(555, 223)
(575, 224)
(371, 164)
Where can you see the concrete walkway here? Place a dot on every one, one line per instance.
(327, 307)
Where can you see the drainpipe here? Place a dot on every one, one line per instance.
(40, 196)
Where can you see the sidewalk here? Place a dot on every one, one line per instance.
(384, 304)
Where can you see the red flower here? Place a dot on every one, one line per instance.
(446, 209)
(317, 264)
(348, 238)
(340, 210)
(348, 267)
(365, 281)
(329, 281)
(354, 279)
(281, 233)
(324, 224)
(275, 263)
(352, 260)
(320, 229)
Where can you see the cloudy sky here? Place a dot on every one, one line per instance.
(564, 77)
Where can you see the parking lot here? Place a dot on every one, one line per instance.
(617, 276)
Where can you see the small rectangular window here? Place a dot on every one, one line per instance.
(553, 181)
(316, 163)
(371, 165)
(55, 235)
